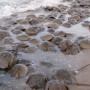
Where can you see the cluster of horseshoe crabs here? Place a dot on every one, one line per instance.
(42, 32)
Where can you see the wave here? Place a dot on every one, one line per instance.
(8, 7)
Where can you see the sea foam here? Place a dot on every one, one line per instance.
(8, 7)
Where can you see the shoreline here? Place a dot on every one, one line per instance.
(46, 40)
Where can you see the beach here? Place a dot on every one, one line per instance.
(45, 43)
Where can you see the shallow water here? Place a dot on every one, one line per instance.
(58, 60)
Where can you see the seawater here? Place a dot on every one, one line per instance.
(8, 7)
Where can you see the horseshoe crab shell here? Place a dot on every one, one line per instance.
(7, 59)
